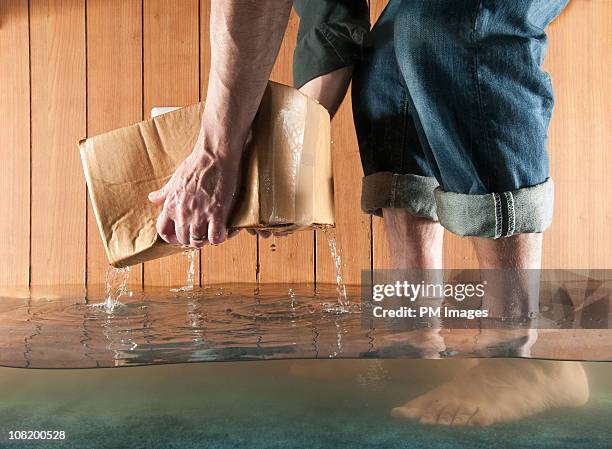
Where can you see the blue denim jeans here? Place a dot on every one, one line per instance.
(452, 107)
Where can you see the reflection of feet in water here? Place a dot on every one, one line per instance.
(505, 342)
(496, 391)
(428, 342)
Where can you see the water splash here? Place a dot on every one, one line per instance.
(115, 287)
(291, 294)
(189, 285)
(336, 255)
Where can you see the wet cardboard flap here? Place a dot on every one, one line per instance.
(286, 175)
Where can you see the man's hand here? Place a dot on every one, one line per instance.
(245, 37)
(198, 199)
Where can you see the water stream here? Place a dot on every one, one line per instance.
(190, 278)
(115, 286)
(336, 255)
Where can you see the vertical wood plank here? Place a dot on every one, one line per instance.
(352, 225)
(15, 142)
(236, 259)
(171, 78)
(578, 61)
(293, 260)
(114, 94)
(57, 36)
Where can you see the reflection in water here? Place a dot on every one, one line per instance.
(58, 329)
(52, 329)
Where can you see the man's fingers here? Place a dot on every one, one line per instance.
(217, 233)
(165, 228)
(182, 233)
(198, 235)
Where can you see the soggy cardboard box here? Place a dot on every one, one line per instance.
(287, 174)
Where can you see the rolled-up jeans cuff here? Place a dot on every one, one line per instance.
(389, 190)
(494, 215)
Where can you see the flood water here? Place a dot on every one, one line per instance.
(67, 328)
(275, 404)
(355, 394)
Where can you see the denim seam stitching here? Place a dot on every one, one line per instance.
(511, 214)
(498, 215)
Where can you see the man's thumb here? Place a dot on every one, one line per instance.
(158, 196)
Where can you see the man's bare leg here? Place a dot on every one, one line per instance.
(522, 251)
(415, 243)
(504, 389)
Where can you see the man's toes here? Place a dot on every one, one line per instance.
(405, 412)
(463, 415)
(447, 415)
(481, 418)
(432, 413)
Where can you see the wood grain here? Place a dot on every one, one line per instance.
(293, 260)
(171, 78)
(235, 259)
(15, 143)
(352, 225)
(57, 36)
(580, 44)
(114, 95)
(72, 96)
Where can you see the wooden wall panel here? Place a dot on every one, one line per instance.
(57, 36)
(171, 78)
(293, 260)
(236, 259)
(15, 142)
(88, 82)
(114, 94)
(352, 226)
(580, 43)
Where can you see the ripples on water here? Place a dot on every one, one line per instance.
(56, 329)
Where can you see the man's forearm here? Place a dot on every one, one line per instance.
(245, 39)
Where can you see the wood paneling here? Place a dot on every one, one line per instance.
(114, 94)
(57, 39)
(171, 78)
(90, 68)
(293, 260)
(15, 142)
(580, 43)
(352, 226)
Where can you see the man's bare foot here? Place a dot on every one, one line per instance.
(496, 391)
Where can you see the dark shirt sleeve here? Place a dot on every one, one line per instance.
(330, 36)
